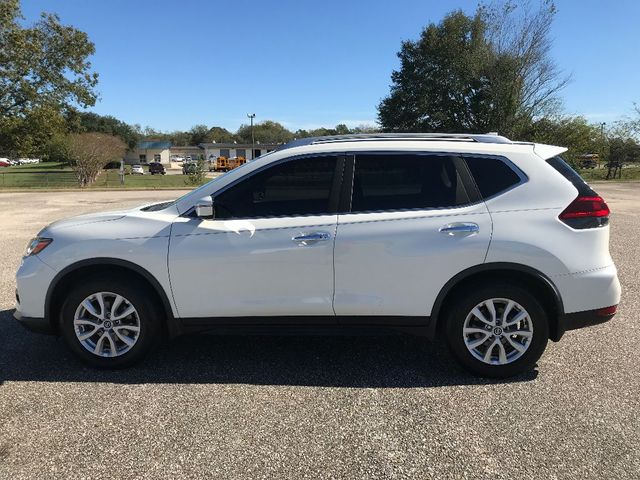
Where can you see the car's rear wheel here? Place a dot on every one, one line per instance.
(109, 323)
(497, 331)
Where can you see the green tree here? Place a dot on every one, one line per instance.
(487, 72)
(220, 135)
(44, 73)
(198, 134)
(80, 122)
(44, 65)
(575, 133)
(264, 132)
(29, 134)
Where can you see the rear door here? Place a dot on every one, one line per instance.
(415, 221)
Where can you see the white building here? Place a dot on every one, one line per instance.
(149, 151)
(235, 150)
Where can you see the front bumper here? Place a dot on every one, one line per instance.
(34, 324)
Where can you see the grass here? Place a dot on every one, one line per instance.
(60, 175)
(37, 167)
(111, 179)
(628, 173)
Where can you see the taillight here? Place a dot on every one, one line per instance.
(586, 212)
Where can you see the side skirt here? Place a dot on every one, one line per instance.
(312, 325)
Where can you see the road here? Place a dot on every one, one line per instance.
(286, 407)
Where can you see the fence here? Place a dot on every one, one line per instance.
(38, 180)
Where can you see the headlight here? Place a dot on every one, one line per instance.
(37, 245)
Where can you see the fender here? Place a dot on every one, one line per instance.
(173, 326)
(488, 268)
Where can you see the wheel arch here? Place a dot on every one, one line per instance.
(530, 277)
(67, 276)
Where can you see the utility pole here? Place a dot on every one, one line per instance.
(602, 125)
(252, 116)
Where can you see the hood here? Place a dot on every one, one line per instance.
(86, 219)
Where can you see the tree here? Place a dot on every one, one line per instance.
(575, 133)
(45, 65)
(30, 133)
(91, 152)
(486, 72)
(264, 132)
(220, 135)
(79, 122)
(198, 134)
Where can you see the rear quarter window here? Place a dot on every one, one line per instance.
(492, 175)
(564, 169)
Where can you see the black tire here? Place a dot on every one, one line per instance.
(462, 306)
(150, 320)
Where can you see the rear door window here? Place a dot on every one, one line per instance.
(384, 182)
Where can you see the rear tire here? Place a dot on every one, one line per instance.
(489, 343)
(110, 322)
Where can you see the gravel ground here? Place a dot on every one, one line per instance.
(286, 407)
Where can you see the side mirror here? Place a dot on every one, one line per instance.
(204, 208)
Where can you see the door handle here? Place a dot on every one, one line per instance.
(311, 238)
(460, 228)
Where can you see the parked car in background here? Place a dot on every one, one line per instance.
(5, 162)
(489, 246)
(156, 168)
(137, 170)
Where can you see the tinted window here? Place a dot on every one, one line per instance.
(570, 174)
(297, 187)
(492, 175)
(396, 182)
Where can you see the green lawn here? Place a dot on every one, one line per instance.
(59, 175)
(111, 179)
(628, 173)
(37, 167)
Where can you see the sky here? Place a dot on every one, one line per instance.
(173, 64)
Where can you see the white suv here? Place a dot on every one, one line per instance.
(492, 245)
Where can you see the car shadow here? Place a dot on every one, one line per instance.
(327, 361)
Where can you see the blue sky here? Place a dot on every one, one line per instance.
(170, 64)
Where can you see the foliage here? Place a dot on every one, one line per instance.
(30, 134)
(198, 134)
(575, 133)
(264, 132)
(43, 66)
(220, 135)
(486, 72)
(196, 174)
(80, 122)
(90, 152)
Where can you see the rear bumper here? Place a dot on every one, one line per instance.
(34, 324)
(588, 318)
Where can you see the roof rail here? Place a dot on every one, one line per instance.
(372, 137)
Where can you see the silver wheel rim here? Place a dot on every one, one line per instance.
(498, 331)
(106, 324)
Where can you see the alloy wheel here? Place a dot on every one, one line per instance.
(107, 324)
(498, 331)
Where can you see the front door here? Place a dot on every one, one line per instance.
(415, 222)
(269, 250)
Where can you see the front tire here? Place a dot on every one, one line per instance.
(109, 322)
(497, 331)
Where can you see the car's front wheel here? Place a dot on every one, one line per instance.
(109, 323)
(497, 331)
